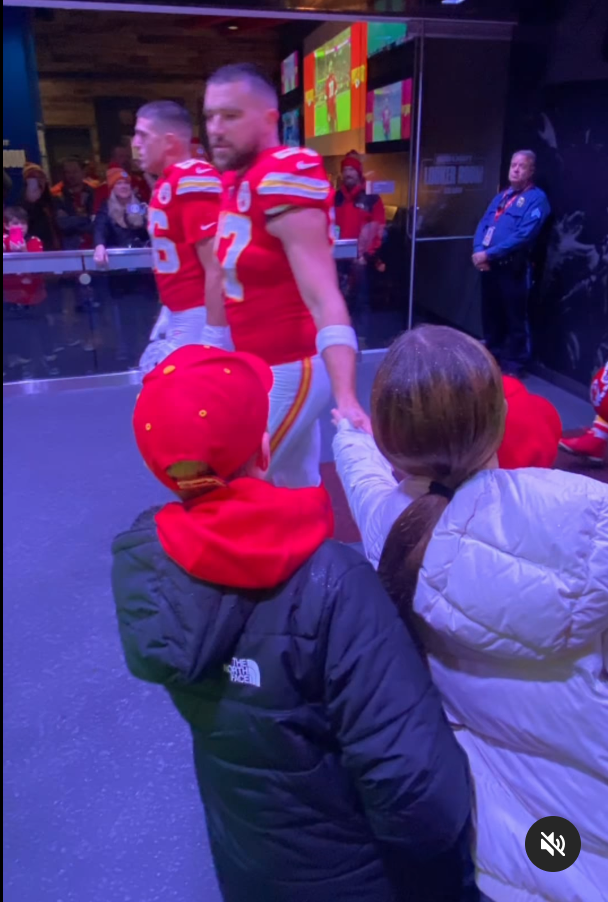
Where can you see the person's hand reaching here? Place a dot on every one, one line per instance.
(354, 413)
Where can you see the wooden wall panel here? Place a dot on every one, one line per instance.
(85, 55)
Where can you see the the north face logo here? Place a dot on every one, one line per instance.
(245, 672)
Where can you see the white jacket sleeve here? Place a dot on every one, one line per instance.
(368, 482)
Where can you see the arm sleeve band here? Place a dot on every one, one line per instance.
(337, 335)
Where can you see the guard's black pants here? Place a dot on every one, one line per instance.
(505, 315)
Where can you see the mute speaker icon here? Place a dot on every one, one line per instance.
(553, 844)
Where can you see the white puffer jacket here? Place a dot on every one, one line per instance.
(515, 588)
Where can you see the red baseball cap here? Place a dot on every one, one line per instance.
(533, 429)
(203, 404)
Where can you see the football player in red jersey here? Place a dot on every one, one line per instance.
(275, 242)
(593, 444)
(386, 120)
(331, 95)
(182, 221)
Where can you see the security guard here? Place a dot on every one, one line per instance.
(503, 243)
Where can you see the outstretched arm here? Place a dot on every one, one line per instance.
(304, 235)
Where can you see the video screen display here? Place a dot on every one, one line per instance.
(383, 36)
(290, 74)
(335, 88)
(389, 113)
(331, 88)
(291, 129)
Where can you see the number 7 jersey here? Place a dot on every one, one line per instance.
(265, 309)
(184, 210)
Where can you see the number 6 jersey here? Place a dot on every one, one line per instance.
(265, 309)
(184, 210)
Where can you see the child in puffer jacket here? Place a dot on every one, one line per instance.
(503, 575)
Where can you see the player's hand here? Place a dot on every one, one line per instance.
(353, 412)
(162, 324)
(17, 247)
(101, 256)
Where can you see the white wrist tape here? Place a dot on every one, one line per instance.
(337, 335)
(218, 337)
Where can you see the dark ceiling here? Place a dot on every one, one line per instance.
(523, 11)
(477, 9)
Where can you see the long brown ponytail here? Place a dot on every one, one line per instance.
(438, 411)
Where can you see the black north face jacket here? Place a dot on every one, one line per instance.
(326, 767)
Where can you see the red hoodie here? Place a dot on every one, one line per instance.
(248, 535)
(360, 216)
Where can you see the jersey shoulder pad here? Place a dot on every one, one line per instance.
(294, 172)
(293, 159)
(195, 177)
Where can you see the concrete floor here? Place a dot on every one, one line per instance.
(100, 801)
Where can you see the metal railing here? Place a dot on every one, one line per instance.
(130, 260)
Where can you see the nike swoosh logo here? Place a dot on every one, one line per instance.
(301, 165)
(206, 228)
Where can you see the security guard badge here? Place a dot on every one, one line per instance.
(521, 201)
(165, 194)
(243, 201)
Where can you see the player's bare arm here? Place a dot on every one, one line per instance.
(303, 233)
(214, 289)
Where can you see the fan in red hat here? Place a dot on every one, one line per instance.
(201, 426)
(360, 216)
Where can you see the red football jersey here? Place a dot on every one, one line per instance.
(184, 210)
(265, 309)
(599, 393)
(331, 92)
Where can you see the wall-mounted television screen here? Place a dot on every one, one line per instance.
(383, 36)
(291, 129)
(335, 86)
(290, 74)
(389, 113)
(330, 89)
(332, 86)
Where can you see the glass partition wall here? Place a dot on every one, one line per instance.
(406, 104)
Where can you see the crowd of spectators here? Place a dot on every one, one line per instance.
(78, 213)
(81, 213)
